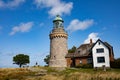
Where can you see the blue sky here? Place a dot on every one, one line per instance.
(25, 26)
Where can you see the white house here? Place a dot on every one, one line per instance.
(100, 53)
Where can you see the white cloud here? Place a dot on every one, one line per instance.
(22, 27)
(93, 36)
(10, 4)
(56, 6)
(80, 25)
(41, 24)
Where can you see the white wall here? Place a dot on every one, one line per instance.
(105, 54)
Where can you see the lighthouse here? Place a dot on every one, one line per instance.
(58, 44)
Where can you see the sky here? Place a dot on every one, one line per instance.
(25, 26)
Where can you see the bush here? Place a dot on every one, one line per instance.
(84, 66)
(115, 64)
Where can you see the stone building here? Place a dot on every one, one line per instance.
(58, 44)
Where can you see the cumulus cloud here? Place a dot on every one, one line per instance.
(55, 6)
(80, 25)
(22, 27)
(10, 3)
(93, 36)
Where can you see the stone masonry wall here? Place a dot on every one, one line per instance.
(58, 50)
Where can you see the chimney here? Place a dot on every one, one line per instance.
(90, 41)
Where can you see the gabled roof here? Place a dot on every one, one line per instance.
(70, 55)
(85, 50)
(107, 45)
(110, 48)
(98, 41)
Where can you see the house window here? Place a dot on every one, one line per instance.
(101, 59)
(78, 51)
(99, 43)
(100, 50)
(89, 60)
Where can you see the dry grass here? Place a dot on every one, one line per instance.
(13, 73)
(88, 76)
(68, 74)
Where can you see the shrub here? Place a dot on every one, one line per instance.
(115, 64)
(84, 66)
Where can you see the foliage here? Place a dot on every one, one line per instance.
(72, 50)
(46, 59)
(84, 66)
(21, 59)
(115, 64)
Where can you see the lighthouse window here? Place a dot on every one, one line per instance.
(54, 56)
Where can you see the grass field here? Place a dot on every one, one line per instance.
(46, 73)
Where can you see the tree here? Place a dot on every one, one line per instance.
(46, 59)
(72, 50)
(21, 59)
